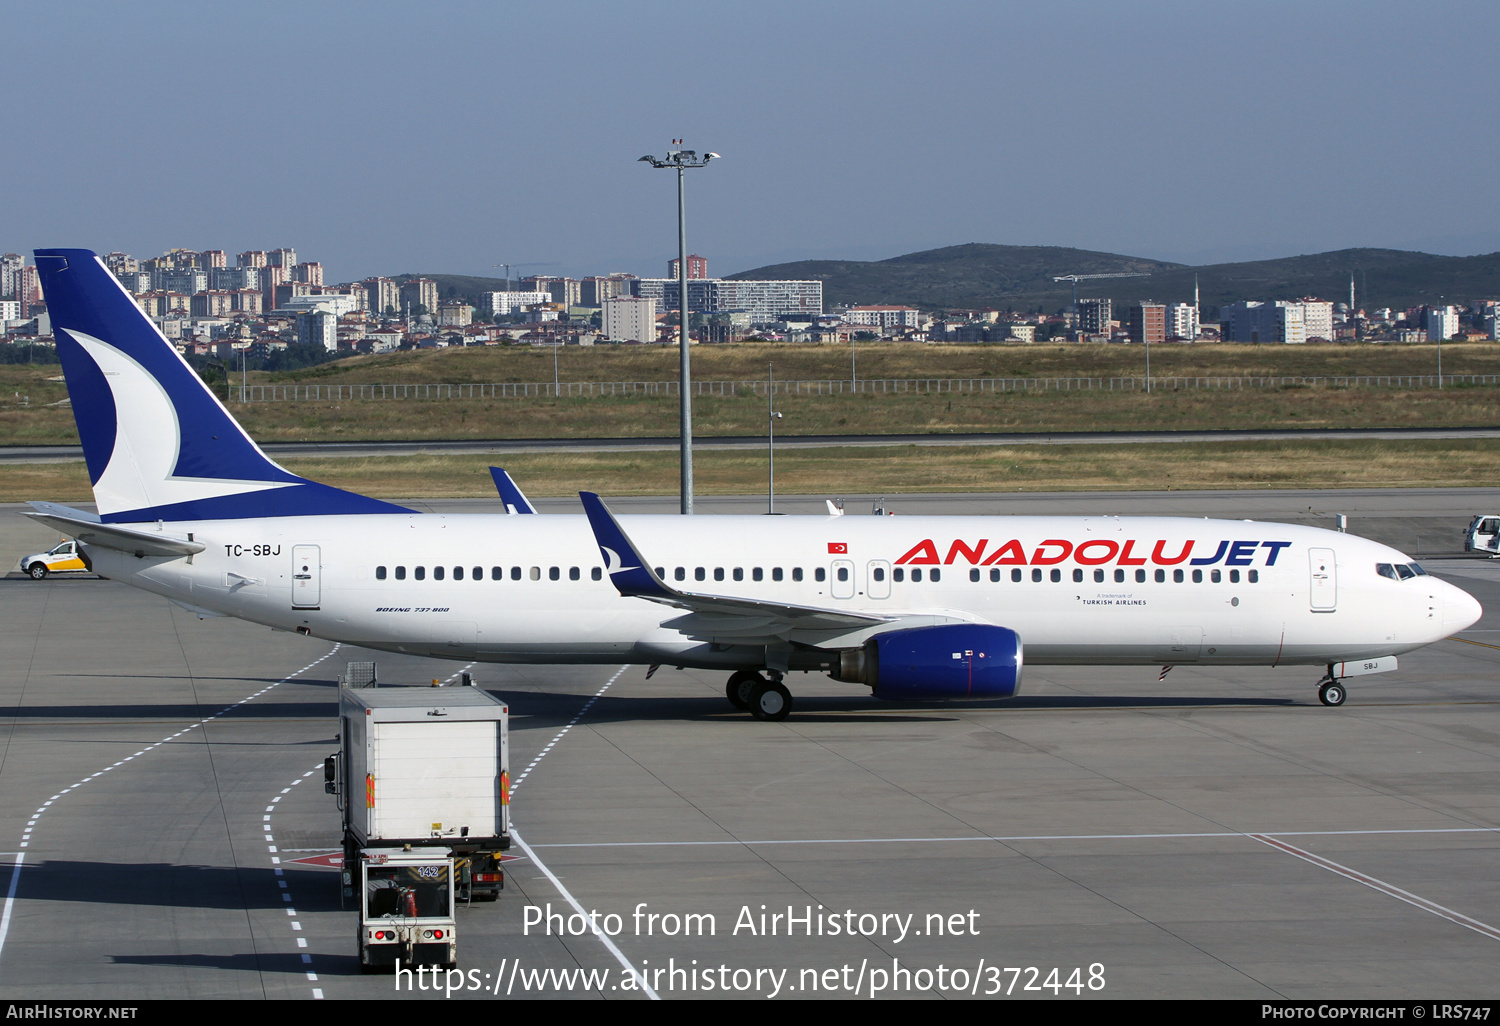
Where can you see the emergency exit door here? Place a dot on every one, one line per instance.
(307, 577)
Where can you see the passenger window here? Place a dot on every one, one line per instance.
(1140, 577)
(420, 572)
(597, 574)
(1015, 575)
(680, 574)
(995, 575)
(1253, 575)
(573, 572)
(739, 571)
(380, 573)
(458, 573)
(1098, 576)
(1234, 577)
(661, 572)
(1176, 574)
(1119, 576)
(515, 573)
(1161, 575)
(776, 573)
(916, 575)
(400, 573)
(497, 573)
(1036, 572)
(935, 574)
(1215, 576)
(553, 573)
(756, 575)
(536, 573)
(1197, 576)
(698, 572)
(718, 570)
(478, 574)
(974, 574)
(437, 573)
(843, 570)
(1077, 576)
(820, 575)
(1056, 576)
(878, 573)
(796, 573)
(898, 575)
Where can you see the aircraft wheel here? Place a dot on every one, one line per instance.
(37, 571)
(741, 683)
(1332, 693)
(769, 700)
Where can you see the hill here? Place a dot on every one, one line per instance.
(981, 275)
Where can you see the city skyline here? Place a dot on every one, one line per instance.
(390, 144)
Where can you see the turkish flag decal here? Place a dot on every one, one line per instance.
(838, 548)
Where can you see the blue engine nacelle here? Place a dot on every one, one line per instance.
(962, 660)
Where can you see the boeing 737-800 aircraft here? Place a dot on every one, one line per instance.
(914, 607)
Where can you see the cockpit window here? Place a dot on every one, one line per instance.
(1399, 571)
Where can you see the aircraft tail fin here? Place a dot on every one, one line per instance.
(159, 445)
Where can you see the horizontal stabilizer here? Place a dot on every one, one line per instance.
(109, 536)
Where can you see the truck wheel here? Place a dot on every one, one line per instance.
(37, 571)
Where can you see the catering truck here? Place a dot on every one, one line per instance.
(422, 779)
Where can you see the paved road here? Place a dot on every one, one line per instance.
(1197, 837)
(54, 453)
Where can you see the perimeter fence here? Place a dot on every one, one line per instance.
(831, 387)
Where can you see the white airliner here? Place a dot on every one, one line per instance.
(914, 607)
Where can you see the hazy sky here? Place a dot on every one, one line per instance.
(383, 137)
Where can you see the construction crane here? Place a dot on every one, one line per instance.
(550, 263)
(1076, 278)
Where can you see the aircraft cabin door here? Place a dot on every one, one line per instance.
(307, 577)
(878, 579)
(1323, 595)
(843, 579)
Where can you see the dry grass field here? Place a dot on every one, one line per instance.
(879, 469)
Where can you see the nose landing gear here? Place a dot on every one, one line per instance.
(766, 699)
(1331, 690)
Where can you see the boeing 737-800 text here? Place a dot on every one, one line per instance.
(914, 607)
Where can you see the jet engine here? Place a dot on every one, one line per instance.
(961, 660)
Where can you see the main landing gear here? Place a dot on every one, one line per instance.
(766, 699)
(1331, 690)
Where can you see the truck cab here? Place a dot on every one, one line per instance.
(406, 908)
(1483, 534)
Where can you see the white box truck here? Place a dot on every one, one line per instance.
(422, 778)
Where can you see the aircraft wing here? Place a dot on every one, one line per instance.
(85, 526)
(510, 493)
(718, 616)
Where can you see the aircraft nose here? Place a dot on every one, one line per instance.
(1460, 609)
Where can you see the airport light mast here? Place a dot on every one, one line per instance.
(682, 160)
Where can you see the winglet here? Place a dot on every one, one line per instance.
(626, 568)
(510, 494)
